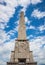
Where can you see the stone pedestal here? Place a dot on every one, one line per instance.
(10, 63)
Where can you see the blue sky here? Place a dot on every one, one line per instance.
(34, 11)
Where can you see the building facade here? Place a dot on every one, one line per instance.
(21, 54)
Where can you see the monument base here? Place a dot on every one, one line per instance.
(13, 63)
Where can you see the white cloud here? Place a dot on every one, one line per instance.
(2, 25)
(38, 14)
(31, 27)
(3, 36)
(35, 1)
(2, 62)
(38, 51)
(5, 13)
(27, 21)
(24, 3)
(30, 36)
(1, 1)
(9, 46)
(11, 32)
(9, 3)
(6, 36)
(5, 51)
(41, 28)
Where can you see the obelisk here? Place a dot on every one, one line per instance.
(21, 54)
